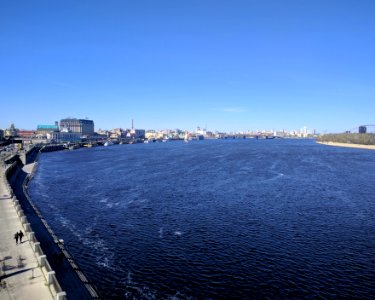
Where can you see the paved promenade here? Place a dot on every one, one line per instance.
(21, 278)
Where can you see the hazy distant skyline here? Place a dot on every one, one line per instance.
(227, 65)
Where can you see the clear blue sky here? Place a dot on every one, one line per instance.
(230, 65)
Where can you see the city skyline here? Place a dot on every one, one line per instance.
(61, 127)
(233, 66)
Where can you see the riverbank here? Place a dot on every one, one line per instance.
(68, 274)
(347, 145)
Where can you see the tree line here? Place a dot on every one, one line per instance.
(350, 138)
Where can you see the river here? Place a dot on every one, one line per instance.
(215, 219)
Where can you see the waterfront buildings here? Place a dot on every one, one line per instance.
(66, 136)
(76, 130)
(201, 131)
(150, 134)
(82, 126)
(10, 132)
(137, 133)
(171, 134)
(26, 134)
(43, 130)
(117, 134)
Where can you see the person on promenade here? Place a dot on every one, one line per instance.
(16, 237)
(20, 234)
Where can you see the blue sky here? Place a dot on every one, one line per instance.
(227, 65)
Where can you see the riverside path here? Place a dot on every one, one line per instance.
(20, 275)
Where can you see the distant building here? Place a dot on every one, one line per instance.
(117, 133)
(102, 132)
(200, 131)
(26, 134)
(10, 132)
(45, 132)
(44, 129)
(82, 126)
(150, 134)
(101, 135)
(1, 134)
(362, 129)
(137, 133)
(62, 137)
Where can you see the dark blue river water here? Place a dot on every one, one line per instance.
(222, 219)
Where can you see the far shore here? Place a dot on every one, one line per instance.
(369, 147)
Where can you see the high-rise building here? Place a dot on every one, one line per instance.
(362, 129)
(83, 126)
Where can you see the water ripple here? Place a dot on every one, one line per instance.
(278, 219)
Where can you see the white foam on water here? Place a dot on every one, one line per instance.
(177, 296)
(106, 260)
(105, 200)
(277, 176)
(103, 262)
(64, 221)
(98, 245)
(178, 233)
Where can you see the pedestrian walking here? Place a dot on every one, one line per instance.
(20, 235)
(16, 237)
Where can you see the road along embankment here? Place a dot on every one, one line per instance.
(68, 275)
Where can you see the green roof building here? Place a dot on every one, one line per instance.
(41, 129)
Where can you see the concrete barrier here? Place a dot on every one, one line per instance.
(27, 227)
(36, 245)
(32, 236)
(21, 214)
(38, 249)
(42, 260)
(60, 296)
(50, 277)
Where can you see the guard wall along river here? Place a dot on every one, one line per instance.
(238, 219)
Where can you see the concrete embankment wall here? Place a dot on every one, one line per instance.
(61, 272)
